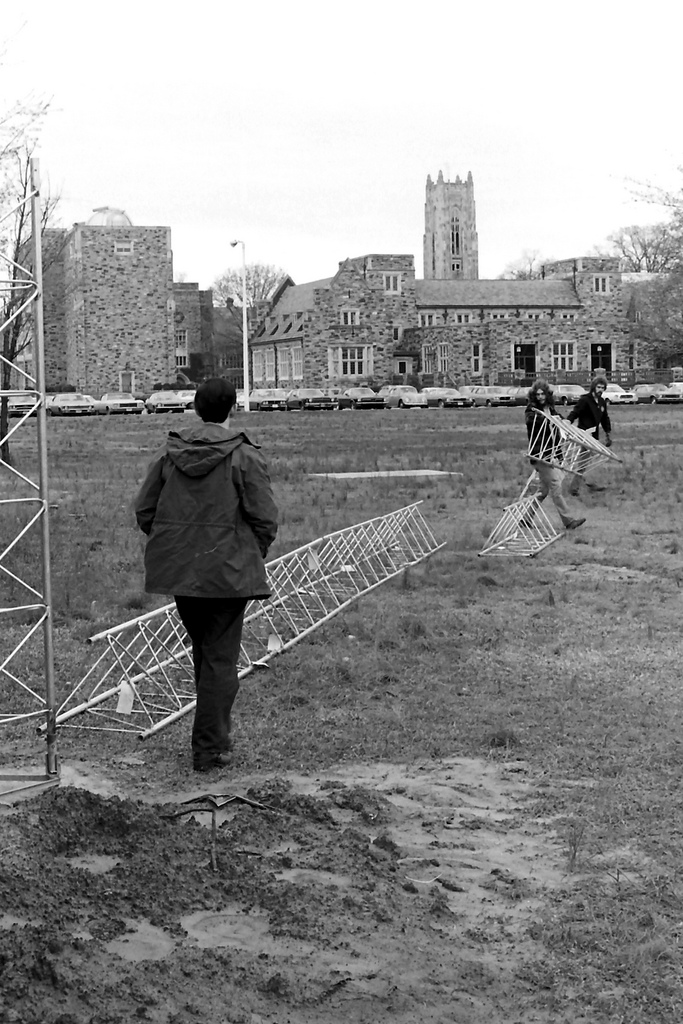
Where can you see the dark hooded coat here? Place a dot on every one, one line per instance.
(207, 507)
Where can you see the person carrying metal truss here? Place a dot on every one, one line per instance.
(545, 448)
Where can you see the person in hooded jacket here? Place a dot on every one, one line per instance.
(207, 507)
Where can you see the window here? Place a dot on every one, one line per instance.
(534, 316)
(257, 365)
(601, 285)
(350, 317)
(443, 358)
(498, 316)
(352, 362)
(298, 363)
(427, 319)
(476, 358)
(349, 361)
(463, 318)
(428, 359)
(269, 355)
(455, 266)
(283, 363)
(397, 332)
(392, 284)
(181, 348)
(455, 240)
(123, 247)
(567, 316)
(563, 355)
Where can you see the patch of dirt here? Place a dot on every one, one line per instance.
(369, 893)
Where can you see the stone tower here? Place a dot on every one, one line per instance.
(451, 248)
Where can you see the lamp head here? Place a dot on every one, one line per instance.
(236, 242)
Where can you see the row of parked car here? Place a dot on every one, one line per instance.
(569, 394)
(404, 396)
(73, 403)
(392, 396)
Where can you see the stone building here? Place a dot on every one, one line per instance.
(340, 329)
(114, 319)
(374, 322)
(450, 244)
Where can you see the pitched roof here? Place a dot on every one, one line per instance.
(496, 293)
(300, 297)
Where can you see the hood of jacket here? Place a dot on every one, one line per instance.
(197, 449)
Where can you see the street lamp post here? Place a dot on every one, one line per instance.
(245, 330)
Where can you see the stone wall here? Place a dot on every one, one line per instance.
(54, 306)
(377, 293)
(118, 308)
(445, 202)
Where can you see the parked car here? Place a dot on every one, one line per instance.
(310, 398)
(268, 399)
(403, 396)
(69, 404)
(488, 394)
(519, 394)
(446, 398)
(121, 402)
(674, 393)
(170, 401)
(360, 398)
(653, 393)
(97, 404)
(568, 394)
(21, 405)
(619, 396)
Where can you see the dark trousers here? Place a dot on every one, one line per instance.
(214, 625)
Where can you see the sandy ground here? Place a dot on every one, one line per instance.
(372, 893)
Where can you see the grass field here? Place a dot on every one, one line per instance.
(569, 662)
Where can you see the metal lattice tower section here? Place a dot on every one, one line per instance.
(27, 688)
(524, 528)
(142, 680)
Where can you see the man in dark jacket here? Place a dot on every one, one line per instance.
(207, 507)
(591, 413)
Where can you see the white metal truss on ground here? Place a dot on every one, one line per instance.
(524, 528)
(25, 592)
(142, 680)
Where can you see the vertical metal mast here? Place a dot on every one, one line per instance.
(39, 356)
(26, 592)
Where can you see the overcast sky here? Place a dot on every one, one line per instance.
(308, 129)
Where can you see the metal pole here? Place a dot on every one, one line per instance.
(245, 329)
(51, 762)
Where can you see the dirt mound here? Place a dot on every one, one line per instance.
(374, 893)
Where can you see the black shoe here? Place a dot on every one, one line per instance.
(595, 487)
(210, 765)
(573, 524)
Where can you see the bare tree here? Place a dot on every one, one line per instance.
(528, 267)
(649, 248)
(17, 249)
(661, 316)
(262, 280)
